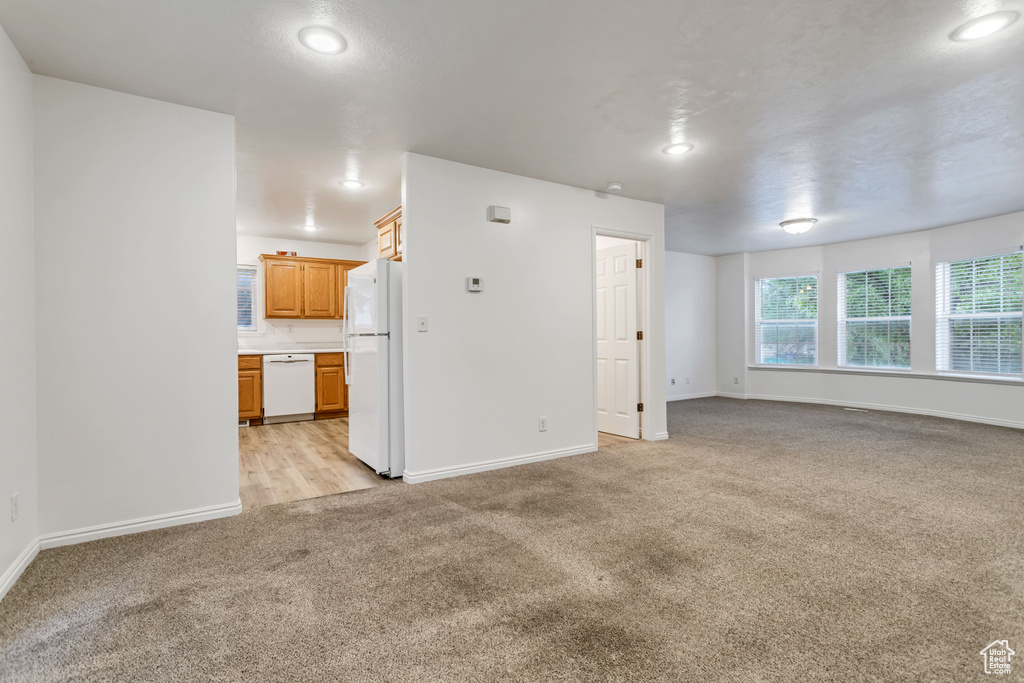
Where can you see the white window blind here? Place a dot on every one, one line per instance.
(874, 318)
(786, 321)
(978, 315)
(246, 310)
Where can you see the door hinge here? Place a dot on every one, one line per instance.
(639, 336)
(639, 407)
(639, 263)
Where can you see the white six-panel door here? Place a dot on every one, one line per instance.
(618, 377)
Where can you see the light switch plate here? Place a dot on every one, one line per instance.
(421, 323)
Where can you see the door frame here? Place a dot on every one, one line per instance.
(643, 285)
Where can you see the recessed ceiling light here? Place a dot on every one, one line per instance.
(982, 27)
(310, 228)
(798, 226)
(678, 148)
(613, 187)
(322, 39)
(352, 184)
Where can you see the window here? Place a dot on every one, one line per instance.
(874, 319)
(978, 315)
(246, 310)
(786, 321)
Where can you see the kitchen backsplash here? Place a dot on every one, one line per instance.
(284, 332)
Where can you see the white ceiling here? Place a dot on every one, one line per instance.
(859, 112)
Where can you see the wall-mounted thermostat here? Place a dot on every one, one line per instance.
(474, 284)
(499, 214)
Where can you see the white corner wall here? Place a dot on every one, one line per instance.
(492, 363)
(924, 392)
(135, 254)
(731, 306)
(689, 326)
(17, 311)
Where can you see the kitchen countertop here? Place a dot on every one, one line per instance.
(266, 350)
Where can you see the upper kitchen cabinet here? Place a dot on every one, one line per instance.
(300, 287)
(283, 287)
(321, 290)
(389, 235)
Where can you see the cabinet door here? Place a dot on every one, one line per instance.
(250, 394)
(386, 241)
(331, 391)
(399, 239)
(320, 290)
(283, 289)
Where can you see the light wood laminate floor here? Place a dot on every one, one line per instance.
(298, 460)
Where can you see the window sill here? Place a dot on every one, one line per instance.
(981, 379)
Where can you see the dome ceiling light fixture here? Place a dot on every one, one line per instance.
(612, 188)
(678, 148)
(798, 226)
(983, 27)
(352, 184)
(322, 39)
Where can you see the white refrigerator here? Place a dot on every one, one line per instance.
(373, 366)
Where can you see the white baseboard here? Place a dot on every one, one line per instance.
(12, 573)
(136, 525)
(727, 394)
(458, 470)
(687, 397)
(878, 406)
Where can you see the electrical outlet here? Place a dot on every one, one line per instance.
(687, 380)
(673, 381)
(14, 507)
(542, 424)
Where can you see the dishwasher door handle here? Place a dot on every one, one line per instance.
(299, 360)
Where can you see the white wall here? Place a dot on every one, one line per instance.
(284, 332)
(370, 250)
(17, 311)
(492, 363)
(135, 254)
(731, 306)
(923, 392)
(689, 325)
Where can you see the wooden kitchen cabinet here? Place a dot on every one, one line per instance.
(399, 245)
(321, 290)
(299, 287)
(282, 281)
(331, 391)
(389, 235)
(250, 388)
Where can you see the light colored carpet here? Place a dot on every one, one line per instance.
(763, 542)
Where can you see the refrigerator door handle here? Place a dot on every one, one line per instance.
(345, 335)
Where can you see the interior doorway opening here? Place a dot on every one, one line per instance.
(618, 330)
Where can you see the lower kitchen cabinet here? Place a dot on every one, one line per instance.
(331, 392)
(250, 388)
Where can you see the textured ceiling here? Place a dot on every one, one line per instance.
(859, 112)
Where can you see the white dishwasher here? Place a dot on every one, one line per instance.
(289, 387)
